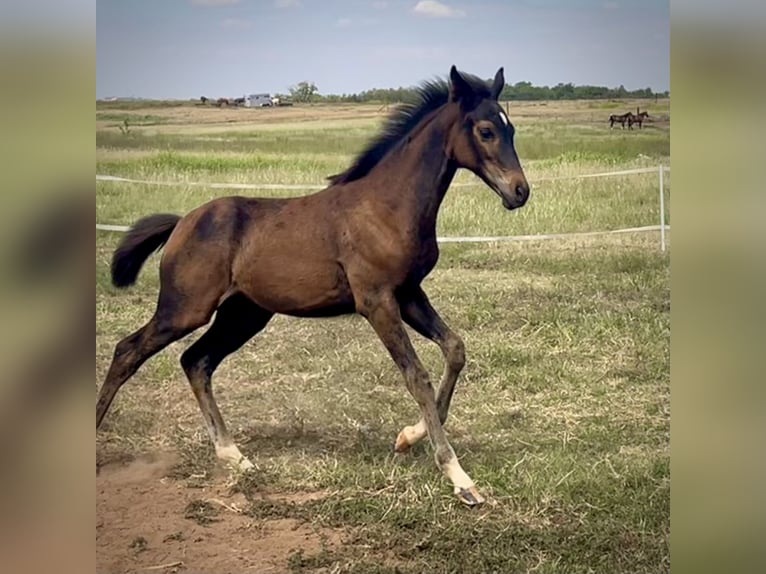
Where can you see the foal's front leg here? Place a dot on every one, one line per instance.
(383, 314)
(418, 313)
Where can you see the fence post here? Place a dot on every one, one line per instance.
(662, 208)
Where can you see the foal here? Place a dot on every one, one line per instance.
(363, 245)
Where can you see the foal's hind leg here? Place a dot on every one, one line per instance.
(182, 307)
(237, 320)
(418, 313)
(134, 350)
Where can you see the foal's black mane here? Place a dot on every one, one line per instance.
(431, 96)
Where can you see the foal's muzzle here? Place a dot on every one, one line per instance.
(513, 189)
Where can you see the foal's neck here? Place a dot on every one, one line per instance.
(424, 172)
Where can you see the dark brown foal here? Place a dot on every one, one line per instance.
(363, 245)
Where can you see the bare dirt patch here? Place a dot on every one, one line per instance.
(143, 524)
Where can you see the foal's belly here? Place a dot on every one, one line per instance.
(288, 260)
(296, 284)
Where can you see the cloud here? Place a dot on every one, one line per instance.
(343, 22)
(288, 3)
(236, 24)
(214, 2)
(434, 9)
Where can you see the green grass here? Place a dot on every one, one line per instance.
(347, 141)
(142, 104)
(132, 119)
(561, 415)
(540, 141)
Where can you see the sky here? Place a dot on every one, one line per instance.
(228, 48)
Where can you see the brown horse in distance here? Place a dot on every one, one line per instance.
(637, 119)
(364, 244)
(620, 119)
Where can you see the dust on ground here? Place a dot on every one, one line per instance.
(144, 524)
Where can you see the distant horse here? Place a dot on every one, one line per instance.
(220, 102)
(362, 245)
(203, 99)
(637, 119)
(239, 101)
(621, 119)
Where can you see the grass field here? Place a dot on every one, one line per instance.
(562, 414)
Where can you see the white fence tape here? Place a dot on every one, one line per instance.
(602, 174)
(483, 239)
(295, 186)
(211, 185)
(488, 239)
(311, 186)
(491, 239)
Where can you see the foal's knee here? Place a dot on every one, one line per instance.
(454, 352)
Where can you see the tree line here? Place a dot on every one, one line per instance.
(308, 92)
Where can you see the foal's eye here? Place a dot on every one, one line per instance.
(486, 134)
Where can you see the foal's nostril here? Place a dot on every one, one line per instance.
(521, 192)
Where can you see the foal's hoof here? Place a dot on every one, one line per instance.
(401, 445)
(470, 497)
(231, 455)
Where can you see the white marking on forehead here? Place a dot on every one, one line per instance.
(504, 117)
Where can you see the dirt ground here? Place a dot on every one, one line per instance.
(146, 523)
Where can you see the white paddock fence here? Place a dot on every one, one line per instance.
(660, 170)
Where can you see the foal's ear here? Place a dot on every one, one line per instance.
(459, 89)
(498, 84)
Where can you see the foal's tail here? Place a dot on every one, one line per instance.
(143, 239)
